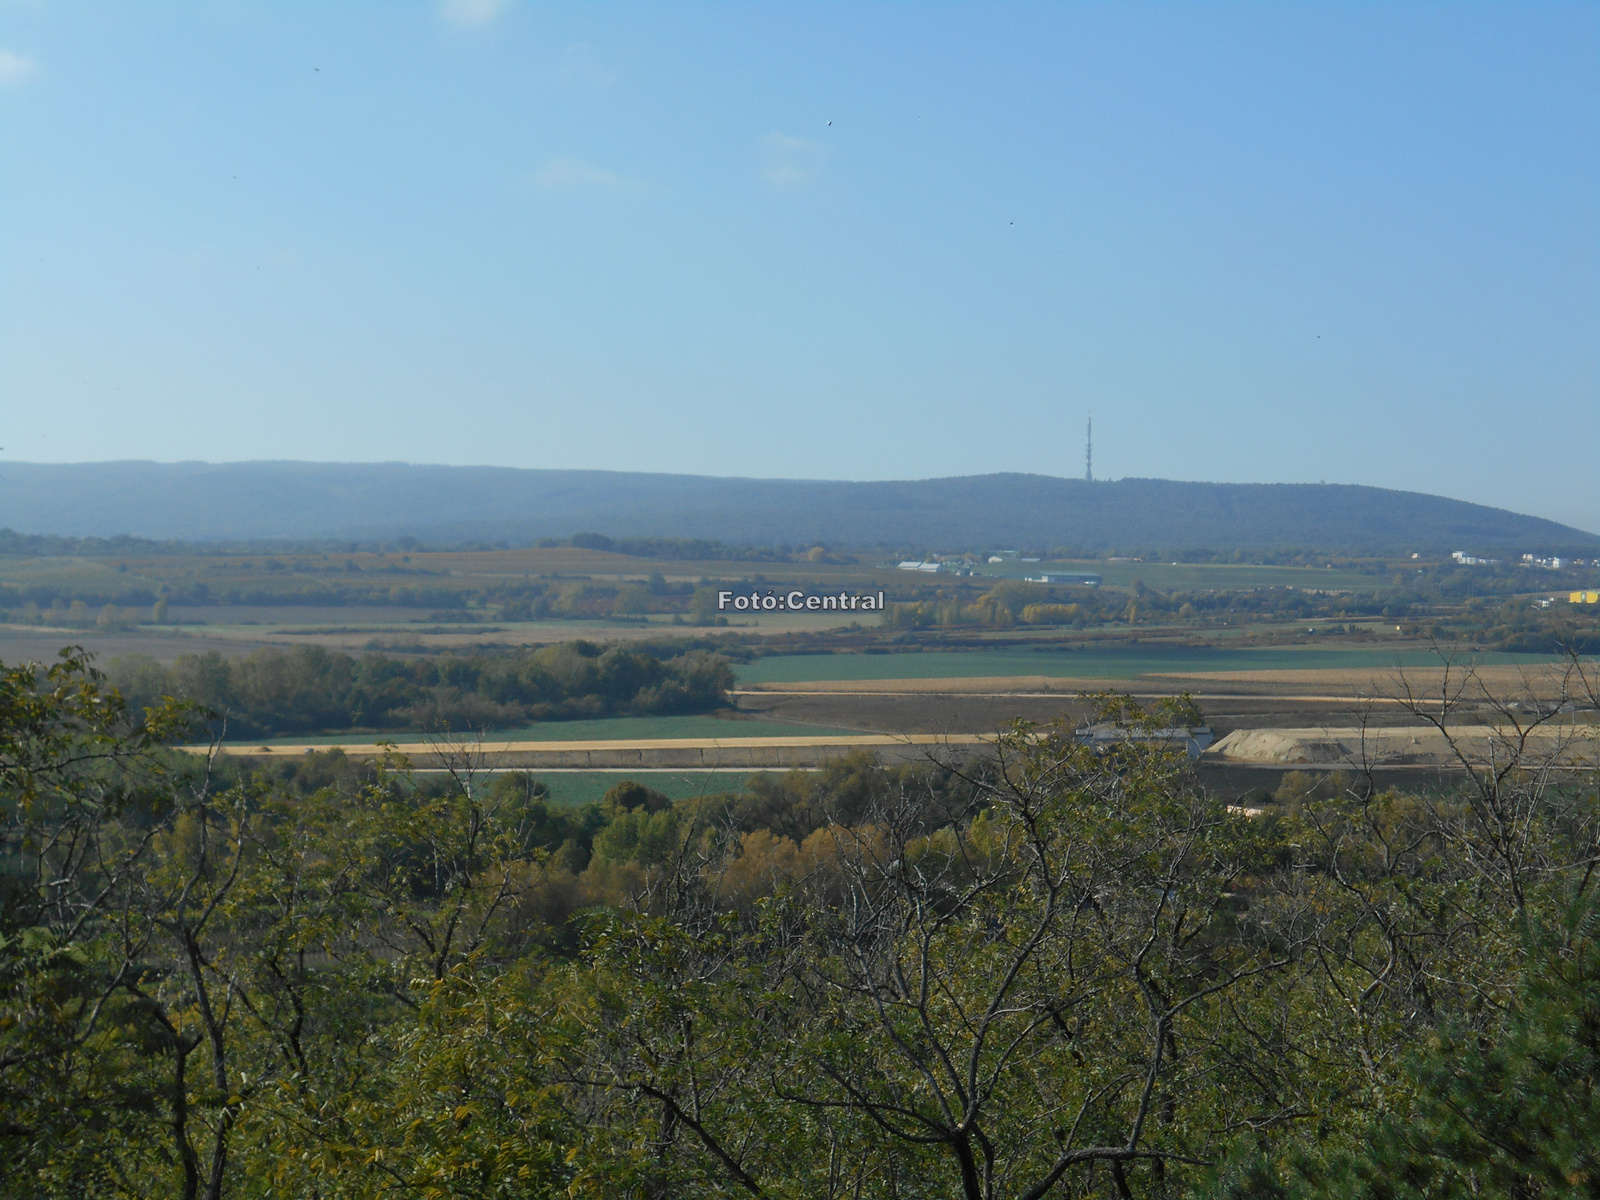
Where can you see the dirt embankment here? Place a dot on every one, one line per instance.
(1408, 746)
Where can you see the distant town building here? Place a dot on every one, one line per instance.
(1467, 560)
(1584, 598)
(911, 565)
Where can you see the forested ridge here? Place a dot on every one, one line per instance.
(1052, 972)
(298, 500)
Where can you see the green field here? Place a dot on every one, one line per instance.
(613, 728)
(1089, 662)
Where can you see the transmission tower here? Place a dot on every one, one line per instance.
(1088, 453)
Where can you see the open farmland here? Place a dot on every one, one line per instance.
(611, 729)
(1286, 645)
(400, 578)
(1090, 663)
(284, 628)
(301, 578)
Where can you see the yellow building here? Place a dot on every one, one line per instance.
(1584, 598)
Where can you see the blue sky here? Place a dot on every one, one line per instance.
(1345, 242)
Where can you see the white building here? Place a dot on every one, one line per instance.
(1083, 578)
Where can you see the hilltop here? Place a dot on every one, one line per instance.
(299, 500)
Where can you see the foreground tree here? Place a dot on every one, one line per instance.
(1038, 997)
(82, 785)
(1512, 1110)
(203, 980)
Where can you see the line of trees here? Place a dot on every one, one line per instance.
(310, 689)
(1519, 625)
(1053, 972)
(1013, 602)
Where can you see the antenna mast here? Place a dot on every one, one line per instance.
(1088, 453)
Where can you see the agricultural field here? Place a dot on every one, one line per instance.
(731, 724)
(1089, 662)
(1238, 629)
(285, 628)
(300, 578)
(290, 574)
(1265, 646)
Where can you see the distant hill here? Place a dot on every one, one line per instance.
(296, 500)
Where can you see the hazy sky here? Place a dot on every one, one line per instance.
(1342, 242)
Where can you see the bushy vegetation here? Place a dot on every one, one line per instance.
(1515, 624)
(1449, 604)
(1013, 602)
(1052, 973)
(311, 690)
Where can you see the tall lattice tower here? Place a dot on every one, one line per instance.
(1088, 452)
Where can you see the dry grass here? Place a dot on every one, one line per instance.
(1506, 681)
(991, 685)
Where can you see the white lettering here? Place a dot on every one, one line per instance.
(799, 600)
